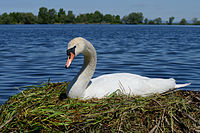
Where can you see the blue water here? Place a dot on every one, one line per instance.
(30, 54)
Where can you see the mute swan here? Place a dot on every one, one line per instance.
(82, 86)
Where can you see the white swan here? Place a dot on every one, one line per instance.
(82, 86)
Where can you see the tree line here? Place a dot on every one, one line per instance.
(51, 16)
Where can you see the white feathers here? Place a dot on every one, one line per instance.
(83, 86)
(181, 85)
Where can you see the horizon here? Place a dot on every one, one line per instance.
(150, 9)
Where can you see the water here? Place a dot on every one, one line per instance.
(30, 54)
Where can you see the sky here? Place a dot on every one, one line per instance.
(151, 9)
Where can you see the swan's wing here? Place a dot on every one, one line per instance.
(128, 84)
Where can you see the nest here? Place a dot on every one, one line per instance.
(45, 108)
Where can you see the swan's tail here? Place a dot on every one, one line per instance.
(181, 85)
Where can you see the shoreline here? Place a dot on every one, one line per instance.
(106, 24)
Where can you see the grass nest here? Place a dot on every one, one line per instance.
(45, 109)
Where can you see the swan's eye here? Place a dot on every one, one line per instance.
(71, 50)
(68, 53)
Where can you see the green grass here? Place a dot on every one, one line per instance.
(45, 109)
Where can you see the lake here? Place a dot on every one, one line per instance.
(30, 54)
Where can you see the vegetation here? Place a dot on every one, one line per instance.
(133, 18)
(51, 16)
(183, 21)
(17, 18)
(158, 20)
(171, 19)
(45, 108)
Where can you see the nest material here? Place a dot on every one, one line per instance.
(46, 109)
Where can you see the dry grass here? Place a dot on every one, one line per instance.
(45, 109)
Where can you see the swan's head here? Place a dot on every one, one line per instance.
(75, 47)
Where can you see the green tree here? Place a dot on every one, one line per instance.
(61, 16)
(146, 21)
(116, 20)
(52, 14)
(6, 19)
(133, 18)
(29, 18)
(158, 20)
(183, 21)
(43, 15)
(97, 17)
(70, 18)
(19, 17)
(89, 18)
(83, 18)
(151, 22)
(15, 17)
(171, 19)
(108, 18)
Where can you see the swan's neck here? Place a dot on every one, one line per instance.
(80, 83)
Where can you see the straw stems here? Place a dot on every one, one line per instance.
(44, 108)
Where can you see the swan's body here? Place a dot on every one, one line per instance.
(84, 87)
(127, 83)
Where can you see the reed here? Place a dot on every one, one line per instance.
(46, 108)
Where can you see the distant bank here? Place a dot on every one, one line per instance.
(51, 16)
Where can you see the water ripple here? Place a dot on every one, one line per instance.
(30, 54)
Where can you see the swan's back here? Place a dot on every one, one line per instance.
(128, 83)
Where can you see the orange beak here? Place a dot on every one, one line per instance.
(69, 60)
